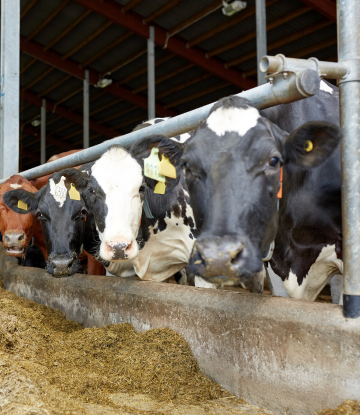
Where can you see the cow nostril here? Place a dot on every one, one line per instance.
(128, 248)
(21, 237)
(6, 239)
(236, 256)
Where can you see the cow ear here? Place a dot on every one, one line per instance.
(312, 143)
(29, 201)
(77, 177)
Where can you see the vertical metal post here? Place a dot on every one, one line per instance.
(260, 37)
(151, 72)
(9, 94)
(348, 18)
(43, 133)
(86, 110)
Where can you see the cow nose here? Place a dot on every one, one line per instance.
(61, 265)
(219, 259)
(119, 250)
(14, 238)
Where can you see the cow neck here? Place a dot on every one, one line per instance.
(279, 196)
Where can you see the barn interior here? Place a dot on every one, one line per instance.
(201, 55)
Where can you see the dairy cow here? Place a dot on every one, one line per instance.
(308, 244)
(232, 166)
(19, 231)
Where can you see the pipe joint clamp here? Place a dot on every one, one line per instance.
(353, 74)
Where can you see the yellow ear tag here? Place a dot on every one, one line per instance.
(22, 205)
(166, 168)
(308, 146)
(73, 193)
(151, 166)
(160, 188)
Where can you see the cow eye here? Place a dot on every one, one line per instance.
(92, 190)
(273, 162)
(83, 212)
(186, 166)
(142, 189)
(40, 216)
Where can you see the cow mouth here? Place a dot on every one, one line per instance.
(15, 251)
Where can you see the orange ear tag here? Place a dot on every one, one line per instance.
(160, 188)
(279, 195)
(166, 168)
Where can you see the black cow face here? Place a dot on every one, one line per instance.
(232, 166)
(63, 221)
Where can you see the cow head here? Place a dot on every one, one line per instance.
(62, 220)
(17, 230)
(232, 167)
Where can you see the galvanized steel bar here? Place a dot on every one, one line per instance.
(261, 47)
(280, 63)
(264, 96)
(43, 133)
(10, 94)
(348, 17)
(151, 72)
(86, 111)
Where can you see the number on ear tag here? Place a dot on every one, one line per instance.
(73, 193)
(160, 188)
(151, 166)
(22, 205)
(166, 168)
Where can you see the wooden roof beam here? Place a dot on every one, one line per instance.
(325, 7)
(175, 44)
(54, 59)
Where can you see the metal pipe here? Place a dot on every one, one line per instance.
(151, 72)
(348, 17)
(280, 91)
(86, 111)
(43, 133)
(10, 83)
(279, 63)
(260, 36)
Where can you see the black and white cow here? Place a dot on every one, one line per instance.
(66, 223)
(232, 164)
(308, 244)
(157, 240)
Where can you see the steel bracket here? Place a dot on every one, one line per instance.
(353, 74)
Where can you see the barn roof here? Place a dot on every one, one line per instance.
(201, 56)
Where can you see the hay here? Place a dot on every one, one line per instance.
(346, 408)
(55, 365)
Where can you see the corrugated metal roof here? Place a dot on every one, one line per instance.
(186, 86)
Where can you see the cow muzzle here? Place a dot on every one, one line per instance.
(62, 265)
(119, 250)
(224, 260)
(14, 242)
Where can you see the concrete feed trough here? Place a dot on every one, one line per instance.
(273, 352)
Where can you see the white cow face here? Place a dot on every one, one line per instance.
(116, 196)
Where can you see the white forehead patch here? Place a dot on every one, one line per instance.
(15, 186)
(239, 120)
(59, 190)
(325, 87)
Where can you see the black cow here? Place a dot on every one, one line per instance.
(308, 244)
(232, 164)
(66, 223)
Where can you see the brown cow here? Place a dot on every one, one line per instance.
(17, 230)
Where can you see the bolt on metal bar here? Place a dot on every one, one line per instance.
(43, 133)
(86, 111)
(280, 63)
(10, 83)
(348, 17)
(261, 46)
(151, 72)
(280, 91)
